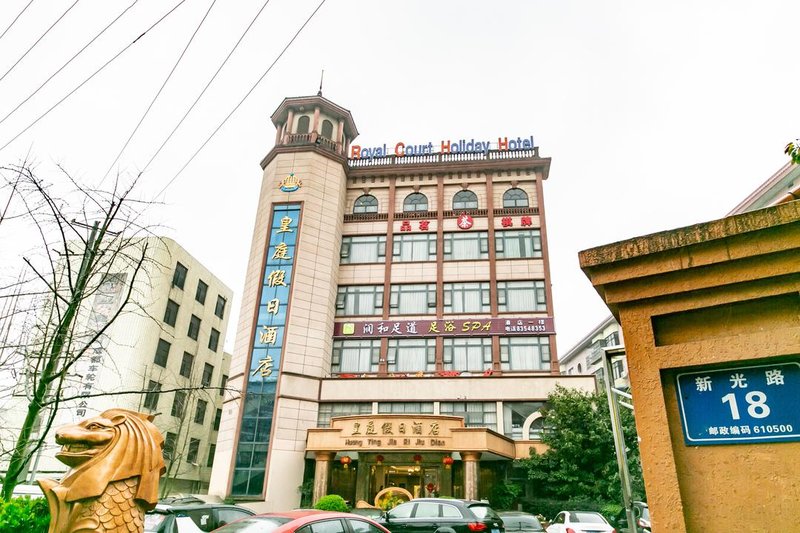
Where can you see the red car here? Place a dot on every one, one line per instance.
(304, 521)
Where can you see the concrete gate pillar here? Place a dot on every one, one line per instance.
(322, 470)
(471, 474)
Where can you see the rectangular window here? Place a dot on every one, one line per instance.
(171, 313)
(179, 276)
(151, 398)
(202, 289)
(411, 355)
(212, 450)
(219, 309)
(468, 354)
(466, 245)
(162, 353)
(414, 247)
(514, 416)
(416, 299)
(476, 414)
(412, 408)
(186, 364)
(612, 339)
(194, 327)
(523, 296)
(359, 300)
(208, 371)
(466, 298)
(511, 244)
(329, 410)
(178, 404)
(618, 367)
(217, 419)
(200, 412)
(213, 340)
(363, 249)
(222, 384)
(170, 439)
(525, 353)
(194, 449)
(356, 356)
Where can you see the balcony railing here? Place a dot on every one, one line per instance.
(444, 158)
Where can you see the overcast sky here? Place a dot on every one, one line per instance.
(656, 114)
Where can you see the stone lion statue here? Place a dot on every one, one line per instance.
(116, 461)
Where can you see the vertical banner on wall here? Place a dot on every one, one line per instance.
(265, 358)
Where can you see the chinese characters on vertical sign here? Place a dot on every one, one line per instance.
(268, 341)
(747, 404)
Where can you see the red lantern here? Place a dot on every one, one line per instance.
(345, 460)
(418, 458)
(379, 459)
(448, 461)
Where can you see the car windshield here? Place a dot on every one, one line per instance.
(587, 518)
(254, 524)
(153, 520)
(646, 513)
(521, 523)
(483, 511)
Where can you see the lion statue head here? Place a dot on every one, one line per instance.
(119, 444)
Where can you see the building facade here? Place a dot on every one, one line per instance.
(586, 357)
(396, 328)
(171, 339)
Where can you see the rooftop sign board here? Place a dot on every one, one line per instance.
(461, 146)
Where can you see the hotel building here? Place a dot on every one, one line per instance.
(396, 329)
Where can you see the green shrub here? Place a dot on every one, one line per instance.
(332, 502)
(504, 496)
(24, 514)
(551, 507)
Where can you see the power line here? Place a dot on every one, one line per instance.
(96, 72)
(199, 96)
(264, 75)
(164, 84)
(79, 52)
(39, 39)
(15, 18)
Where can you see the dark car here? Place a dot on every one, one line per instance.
(170, 516)
(519, 522)
(442, 515)
(304, 521)
(641, 513)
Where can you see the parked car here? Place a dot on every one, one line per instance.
(519, 522)
(370, 512)
(191, 515)
(641, 513)
(429, 515)
(304, 521)
(580, 522)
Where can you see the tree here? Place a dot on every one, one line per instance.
(793, 151)
(51, 325)
(580, 462)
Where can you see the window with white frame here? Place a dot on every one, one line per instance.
(512, 244)
(355, 356)
(525, 353)
(363, 249)
(467, 354)
(330, 410)
(415, 201)
(468, 297)
(466, 245)
(411, 355)
(414, 247)
(413, 299)
(359, 300)
(414, 408)
(476, 414)
(465, 200)
(366, 203)
(515, 198)
(526, 296)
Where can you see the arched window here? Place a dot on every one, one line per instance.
(366, 204)
(415, 202)
(515, 198)
(327, 130)
(302, 124)
(465, 200)
(537, 427)
(580, 370)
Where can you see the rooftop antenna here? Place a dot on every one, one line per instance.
(321, 77)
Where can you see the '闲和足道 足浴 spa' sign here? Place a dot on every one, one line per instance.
(442, 327)
(461, 146)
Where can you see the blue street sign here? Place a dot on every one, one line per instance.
(740, 405)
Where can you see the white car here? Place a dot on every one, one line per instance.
(579, 522)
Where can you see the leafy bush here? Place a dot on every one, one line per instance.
(24, 514)
(551, 507)
(332, 502)
(504, 496)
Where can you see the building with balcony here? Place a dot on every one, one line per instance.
(586, 357)
(396, 328)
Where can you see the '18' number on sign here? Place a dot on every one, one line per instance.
(756, 404)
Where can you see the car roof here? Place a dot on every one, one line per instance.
(301, 517)
(170, 508)
(449, 500)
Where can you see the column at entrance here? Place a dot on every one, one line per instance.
(471, 474)
(322, 472)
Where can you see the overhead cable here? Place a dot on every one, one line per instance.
(15, 18)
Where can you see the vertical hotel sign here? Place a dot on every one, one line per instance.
(265, 357)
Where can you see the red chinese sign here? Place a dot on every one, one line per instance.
(465, 221)
(444, 327)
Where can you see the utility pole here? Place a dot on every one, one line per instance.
(619, 437)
